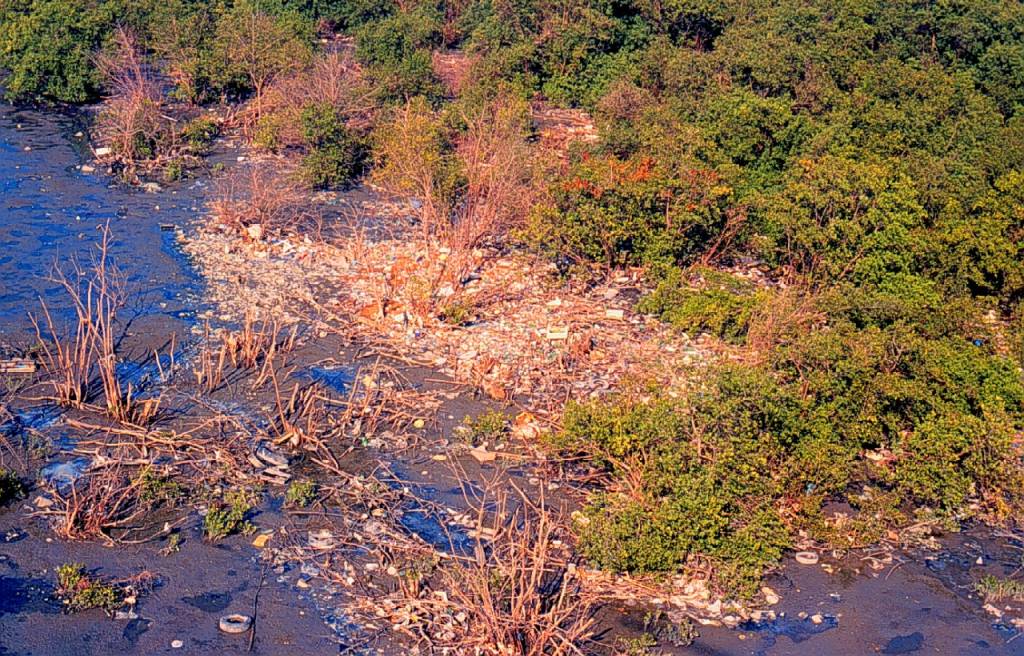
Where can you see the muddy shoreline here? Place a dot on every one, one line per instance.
(51, 210)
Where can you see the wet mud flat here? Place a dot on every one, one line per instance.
(50, 212)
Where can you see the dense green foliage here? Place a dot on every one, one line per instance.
(207, 48)
(335, 154)
(729, 472)
(47, 47)
(716, 303)
(870, 155)
(397, 51)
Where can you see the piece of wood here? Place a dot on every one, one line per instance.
(17, 366)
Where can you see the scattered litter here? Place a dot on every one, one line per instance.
(556, 333)
(322, 540)
(17, 366)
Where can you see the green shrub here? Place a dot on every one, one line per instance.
(174, 170)
(11, 487)
(158, 489)
(301, 493)
(619, 429)
(458, 313)
(721, 305)
(200, 133)
(81, 591)
(396, 49)
(267, 134)
(619, 212)
(228, 516)
(488, 426)
(335, 154)
(995, 590)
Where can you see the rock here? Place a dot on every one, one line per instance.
(558, 333)
(103, 152)
(482, 455)
(322, 539)
(254, 231)
(235, 623)
(817, 618)
(770, 596)
(271, 457)
(87, 168)
(43, 502)
(806, 557)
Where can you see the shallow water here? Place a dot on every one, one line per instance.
(53, 213)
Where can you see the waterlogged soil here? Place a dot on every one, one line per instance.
(52, 211)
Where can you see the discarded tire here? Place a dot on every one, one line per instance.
(806, 557)
(235, 623)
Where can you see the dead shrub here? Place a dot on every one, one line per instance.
(209, 371)
(98, 502)
(260, 202)
(255, 342)
(332, 79)
(131, 123)
(77, 360)
(519, 594)
(787, 312)
(496, 164)
(72, 358)
(469, 188)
